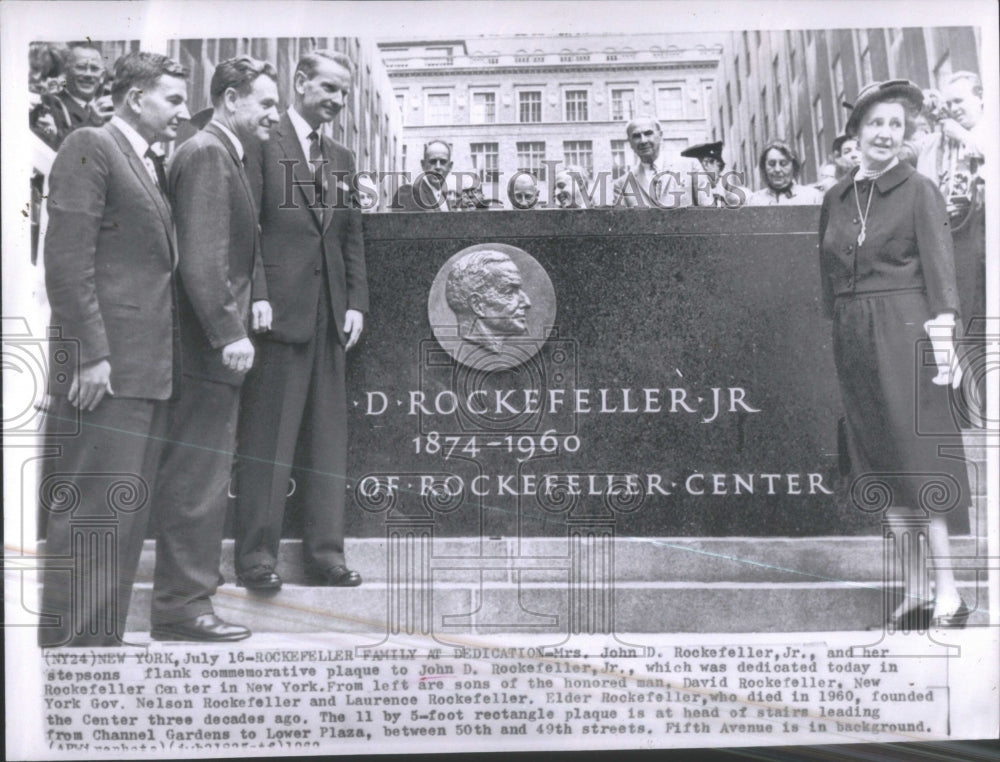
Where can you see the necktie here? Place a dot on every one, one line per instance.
(316, 162)
(655, 185)
(161, 175)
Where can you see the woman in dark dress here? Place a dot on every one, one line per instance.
(888, 279)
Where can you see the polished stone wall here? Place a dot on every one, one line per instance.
(684, 302)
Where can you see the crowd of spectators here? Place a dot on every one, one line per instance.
(944, 143)
(70, 87)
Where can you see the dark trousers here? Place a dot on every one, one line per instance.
(98, 499)
(294, 411)
(190, 504)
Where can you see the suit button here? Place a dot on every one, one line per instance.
(316, 271)
(856, 220)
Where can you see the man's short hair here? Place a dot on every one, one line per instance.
(640, 120)
(238, 73)
(67, 52)
(471, 274)
(310, 61)
(975, 82)
(142, 70)
(427, 147)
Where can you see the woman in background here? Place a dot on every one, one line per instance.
(779, 169)
(888, 282)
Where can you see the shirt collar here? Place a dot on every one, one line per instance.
(231, 136)
(137, 141)
(301, 127)
(82, 103)
(789, 191)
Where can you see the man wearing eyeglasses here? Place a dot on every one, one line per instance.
(74, 106)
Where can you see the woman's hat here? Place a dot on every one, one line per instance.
(877, 92)
(704, 151)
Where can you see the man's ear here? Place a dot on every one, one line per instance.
(299, 82)
(476, 304)
(133, 99)
(229, 99)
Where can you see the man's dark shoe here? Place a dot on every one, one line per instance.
(335, 576)
(260, 577)
(207, 627)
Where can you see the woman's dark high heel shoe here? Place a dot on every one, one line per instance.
(916, 618)
(956, 620)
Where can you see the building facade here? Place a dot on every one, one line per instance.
(792, 84)
(536, 102)
(369, 125)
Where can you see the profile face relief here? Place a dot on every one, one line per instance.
(503, 307)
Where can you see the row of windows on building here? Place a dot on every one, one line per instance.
(670, 104)
(531, 156)
(798, 73)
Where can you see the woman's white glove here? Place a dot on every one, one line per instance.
(941, 331)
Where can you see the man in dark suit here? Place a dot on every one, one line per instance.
(219, 274)
(427, 193)
(109, 262)
(74, 106)
(294, 398)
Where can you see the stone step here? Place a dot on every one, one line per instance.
(678, 559)
(479, 606)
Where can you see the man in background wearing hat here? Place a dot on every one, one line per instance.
(721, 190)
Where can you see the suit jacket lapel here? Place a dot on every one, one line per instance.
(288, 141)
(231, 150)
(427, 198)
(159, 200)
